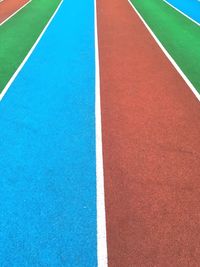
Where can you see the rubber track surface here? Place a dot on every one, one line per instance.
(8, 7)
(151, 126)
(47, 149)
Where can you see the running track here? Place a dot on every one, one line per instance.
(191, 8)
(10, 7)
(47, 166)
(151, 148)
(151, 125)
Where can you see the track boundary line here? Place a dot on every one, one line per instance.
(8, 18)
(173, 62)
(182, 13)
(2, 94)
(102, 257)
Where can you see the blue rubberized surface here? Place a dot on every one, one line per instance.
(47, 149)
(189, 7)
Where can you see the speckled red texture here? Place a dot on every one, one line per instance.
(151, 129)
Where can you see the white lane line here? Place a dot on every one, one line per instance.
(14, 13)
(190, 85)
(28, 55)
(182, 13)
(101, 216)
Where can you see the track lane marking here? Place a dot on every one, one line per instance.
(49, 125)
(4, 91)
(102, 256)
(182, 13)
(15, 13)
(173, 62)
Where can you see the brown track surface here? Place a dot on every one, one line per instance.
(151, 129)
(8, 7)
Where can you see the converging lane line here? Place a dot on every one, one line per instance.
(173, 62)
(2, 94)
(151, 124)
(18, 10)
(101, 216)
(189, 9)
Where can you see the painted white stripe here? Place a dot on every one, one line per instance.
(29, 54)
(101, 216)
(167, 54)
(182, 13)
(13, 14)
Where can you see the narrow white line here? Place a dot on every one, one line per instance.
(28, 55)
(182, 13)
(101, 216)
(14, 13)
(168, 55)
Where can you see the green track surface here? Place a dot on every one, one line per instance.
(179, 35)
(18, 35)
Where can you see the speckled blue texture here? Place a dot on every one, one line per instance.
(47, 149)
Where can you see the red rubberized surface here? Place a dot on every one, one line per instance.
(8, 7)
(151, 129)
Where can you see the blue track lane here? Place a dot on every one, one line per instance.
(189, 7)
(47, 149)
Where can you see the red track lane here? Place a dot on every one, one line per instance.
(151, 129)
(8, 7)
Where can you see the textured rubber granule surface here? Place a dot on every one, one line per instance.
(151, 125)
(179, 35)
(8, 7)
(16, 38)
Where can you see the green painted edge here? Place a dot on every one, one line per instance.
(179, 35)
(18, 35)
